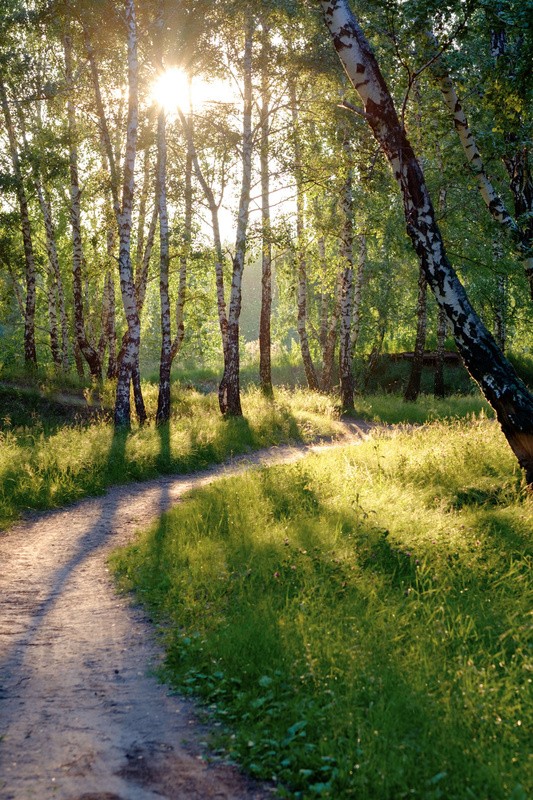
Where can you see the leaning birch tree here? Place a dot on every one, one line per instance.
(497, 379)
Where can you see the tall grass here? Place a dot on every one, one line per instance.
(45, 464)
(357, 621)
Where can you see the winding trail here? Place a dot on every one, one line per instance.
(81, 716)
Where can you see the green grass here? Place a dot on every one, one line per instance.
(391, 409)
(357, 622)
(47, 463)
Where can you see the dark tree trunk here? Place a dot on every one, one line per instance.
(497, 379)
(413, 385)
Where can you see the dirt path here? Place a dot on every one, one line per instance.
(81, 718)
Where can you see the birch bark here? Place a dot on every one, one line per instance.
(493, 201)
(88, 351)
(215, 224)
(229, 389)
(165, 362)
(129, 354)
(310, 372)
(497, 379)
(346, 298)
(30, 351)
(265, 366)
(358, 293)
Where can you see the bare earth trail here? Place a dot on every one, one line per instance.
(81, 717)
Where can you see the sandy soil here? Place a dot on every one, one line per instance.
(81, 716)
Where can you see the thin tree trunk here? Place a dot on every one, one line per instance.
(357, 294)
(165, 362)
(491, 198)
(439, 388)
(500, 327)
(412, 389)
(497, 379)
(88, 351)
(265, 365)
(110, 327)
(310, 372)
(184, 257)
(229, 397)
(330, 343)
(129, 355)
(346, 300)
(324, 299)
(30, 350)
(217, 241)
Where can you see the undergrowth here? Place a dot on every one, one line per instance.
(356, 622)
(45, 464)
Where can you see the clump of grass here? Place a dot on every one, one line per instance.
(357, 620)
(45, 466)
(392, 409)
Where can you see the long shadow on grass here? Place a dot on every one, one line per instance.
(323, 649)
(84, 536)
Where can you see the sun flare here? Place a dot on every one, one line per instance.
(171, 90)
(174, 89)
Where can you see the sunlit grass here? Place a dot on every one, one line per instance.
(45, 467)
(358, 620)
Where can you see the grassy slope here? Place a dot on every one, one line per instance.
(52, 454)
(358, 619)
(47, 461)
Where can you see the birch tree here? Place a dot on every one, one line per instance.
(30, 351)
(497, 379)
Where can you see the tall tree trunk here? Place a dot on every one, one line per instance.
(265, 366)
(345, 348)
(523, 236)
(129, 355)
(439, 388)
(412, 389)
(324, 299)
(229, 397)
(310, 372)
(165, 362)
(357, 294)
(497, 379)
(88, 351)
(110, 326)
(217, 241)
(331, 335)
(500, 316)
(30, 350)
(177, 342)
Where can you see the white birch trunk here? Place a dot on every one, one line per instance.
(129, 355)
(491, 197)
(358, 293)
(30, 351)
(229, 390)
(496, 377)
(88, 351)
(301, 325)
(215, 224)
(265, 366)
(346, 297)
